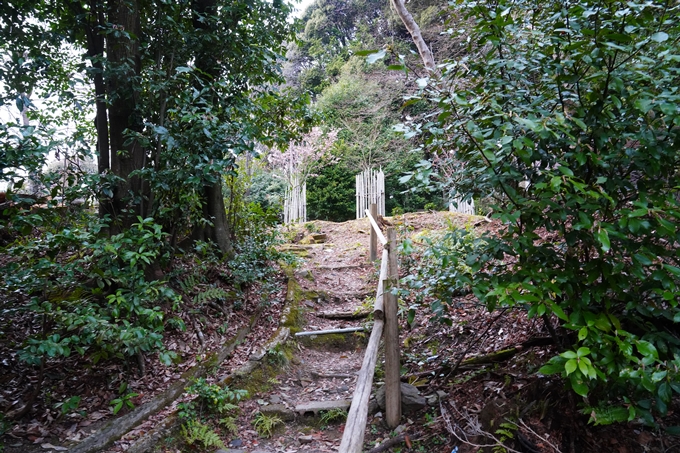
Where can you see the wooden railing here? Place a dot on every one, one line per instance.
(385, 319)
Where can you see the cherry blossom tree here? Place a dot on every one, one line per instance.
(297, 162)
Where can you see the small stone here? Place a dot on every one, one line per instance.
(411, 399)
(236, 443)
(434, 399)
(343, 388)
(306, 439)
(306, 274)
(275, 399)
(399, 429)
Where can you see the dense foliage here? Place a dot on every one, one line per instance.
(178, 91)
(567, 114)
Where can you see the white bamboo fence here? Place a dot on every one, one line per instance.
(295, 203)
(464, 207)
(370, 188)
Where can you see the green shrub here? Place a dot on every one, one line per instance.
(331, 195)
(569, 120)
(116, 314)
(443, 271)
(210, 399)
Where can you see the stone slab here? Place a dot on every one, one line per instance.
(280, 410)
(316, 406)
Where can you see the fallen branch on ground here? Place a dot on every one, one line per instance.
(492, 357)
(393, 442)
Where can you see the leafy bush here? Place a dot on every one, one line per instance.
(569, 119)
(443, 272)
(116, 313)
(255, 251)
(331, 195)
(210, 399)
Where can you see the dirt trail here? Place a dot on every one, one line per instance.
(335, 277)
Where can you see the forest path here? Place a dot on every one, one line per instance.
(335, 278)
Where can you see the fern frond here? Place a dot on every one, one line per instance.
(606, 415)
(196, 432)
(229, 423)
(190, 282)
(211, 294)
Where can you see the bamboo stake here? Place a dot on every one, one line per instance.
(356, 190)
(373, 245)
(378, 307)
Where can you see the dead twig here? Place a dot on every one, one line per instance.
(393, 442)
(474, 341)
(543, 439)
(199, 332)
(473, 429)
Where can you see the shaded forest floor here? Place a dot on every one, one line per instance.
(471, 407)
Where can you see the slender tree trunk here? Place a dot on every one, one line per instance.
(213, 199)
(124, 60)
(95, 50)
(414, 30)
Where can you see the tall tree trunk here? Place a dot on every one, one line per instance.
(124, 60)
(95, 50)
(213, 199)
(414, 30)
(214, 210)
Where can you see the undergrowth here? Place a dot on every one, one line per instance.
(212, 407)
(266, 424)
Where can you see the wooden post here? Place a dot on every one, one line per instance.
(373, 246)
(392, 365)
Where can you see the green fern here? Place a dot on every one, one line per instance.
(333, 416)
(506, 431)
(195, 432)
(226, 407)
(188, 283)
(210, 294)
(606, 415)
(266, 424)
(229, 423)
